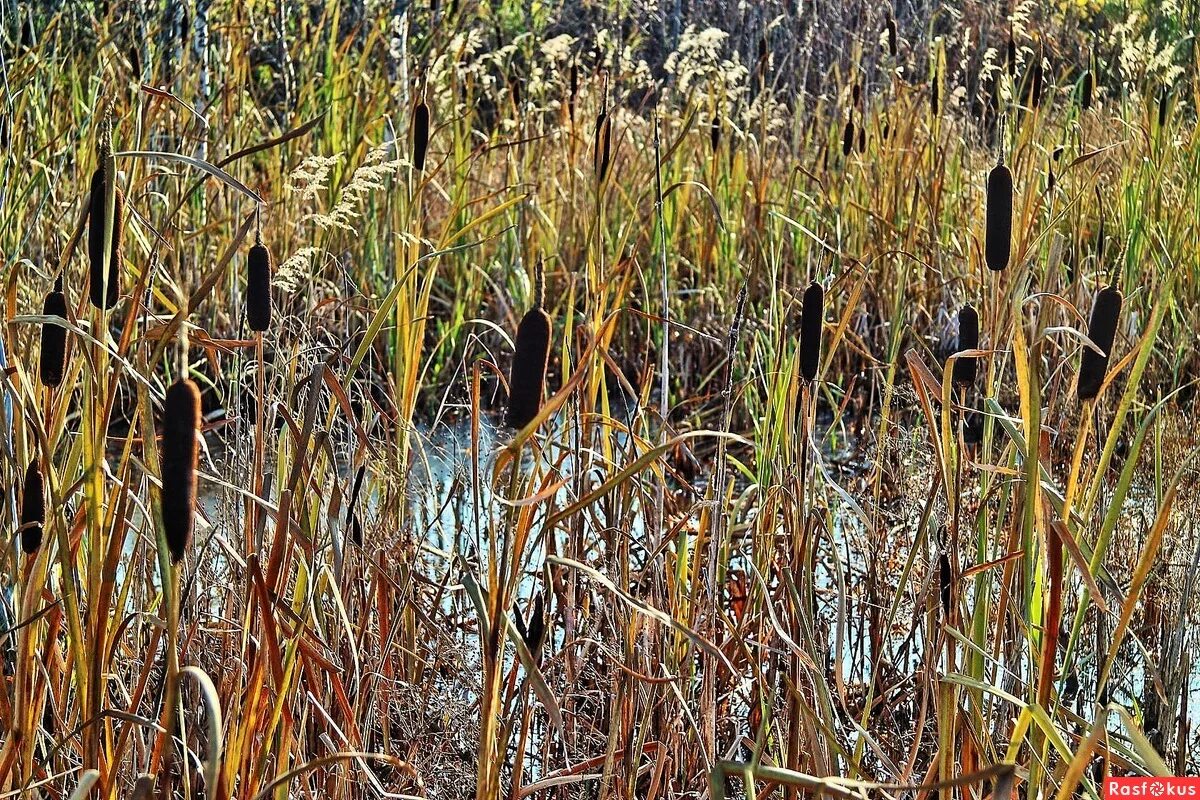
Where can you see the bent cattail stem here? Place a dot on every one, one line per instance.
(180, 453)
(531, 357)
(258, 287)
(52, 362)
(968, 339)
(33, 508)
(998, 235)
(812, 318)
(101, 295)
(420, 135)
(1102, 330)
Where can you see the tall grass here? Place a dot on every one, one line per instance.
(733, 538)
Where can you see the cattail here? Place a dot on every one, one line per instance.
(862, 138)
(946, 583)
(533, 633)
(531, 356)
(855, 94)
(574, 89)
(602, 150)
(420, 135)
(180, 453)
(258, 287)
(33, 508)
(972, 427)
(890, 26)
(356, 531)
(1035, 85)
(848, 137)
(52, 363)
(1086, 90)
(1102, 330)
(102, 297)
(934, 93)
(968, 339)
(714, 134)
(1164, 106)
(812, 318)
(1010, 57)
(998, 237)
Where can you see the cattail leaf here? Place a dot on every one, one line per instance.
(199, 164)
(216, 730)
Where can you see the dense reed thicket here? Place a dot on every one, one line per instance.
(597, 400)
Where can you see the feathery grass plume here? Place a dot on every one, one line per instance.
(890, 26)
(104, 297)
(1087, 90)
(52, 361)
(812, 320)
(531, 357)
(180, 453)
(420, 142)
(968, 339)
(998, 235)
(1102, 330)
(848, 136)
(33, 508)
(258, 286)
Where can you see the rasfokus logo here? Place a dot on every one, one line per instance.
(1151, 788)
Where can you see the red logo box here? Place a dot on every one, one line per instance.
(1151, 788)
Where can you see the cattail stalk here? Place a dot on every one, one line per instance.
(531, 357)
(812, 317)
(180, 453)
(33, 508)
(998, 235)
(1102, 330)
(52, 361)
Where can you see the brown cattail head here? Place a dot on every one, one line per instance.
(103, 297)
(52, 363)
(714, 133)
(1164, 106)
(574, 89)
(180, 452)
(528, 375)
(602, 151)
(258, 287)
(420, 142)
(1102, 330)
(848, 137)
(33, 508)
(1010, 57)
(998, 237)
(935, 99)
(812, 320)
(1086, 90)
(968, 339)
(890, 26)
(532, 633)
(1036, 81)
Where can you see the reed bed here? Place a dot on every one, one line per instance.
(485, 400)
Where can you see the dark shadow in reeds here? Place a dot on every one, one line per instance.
(33, 508)
(52, 361)
(180, 453)
(1102, 330)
